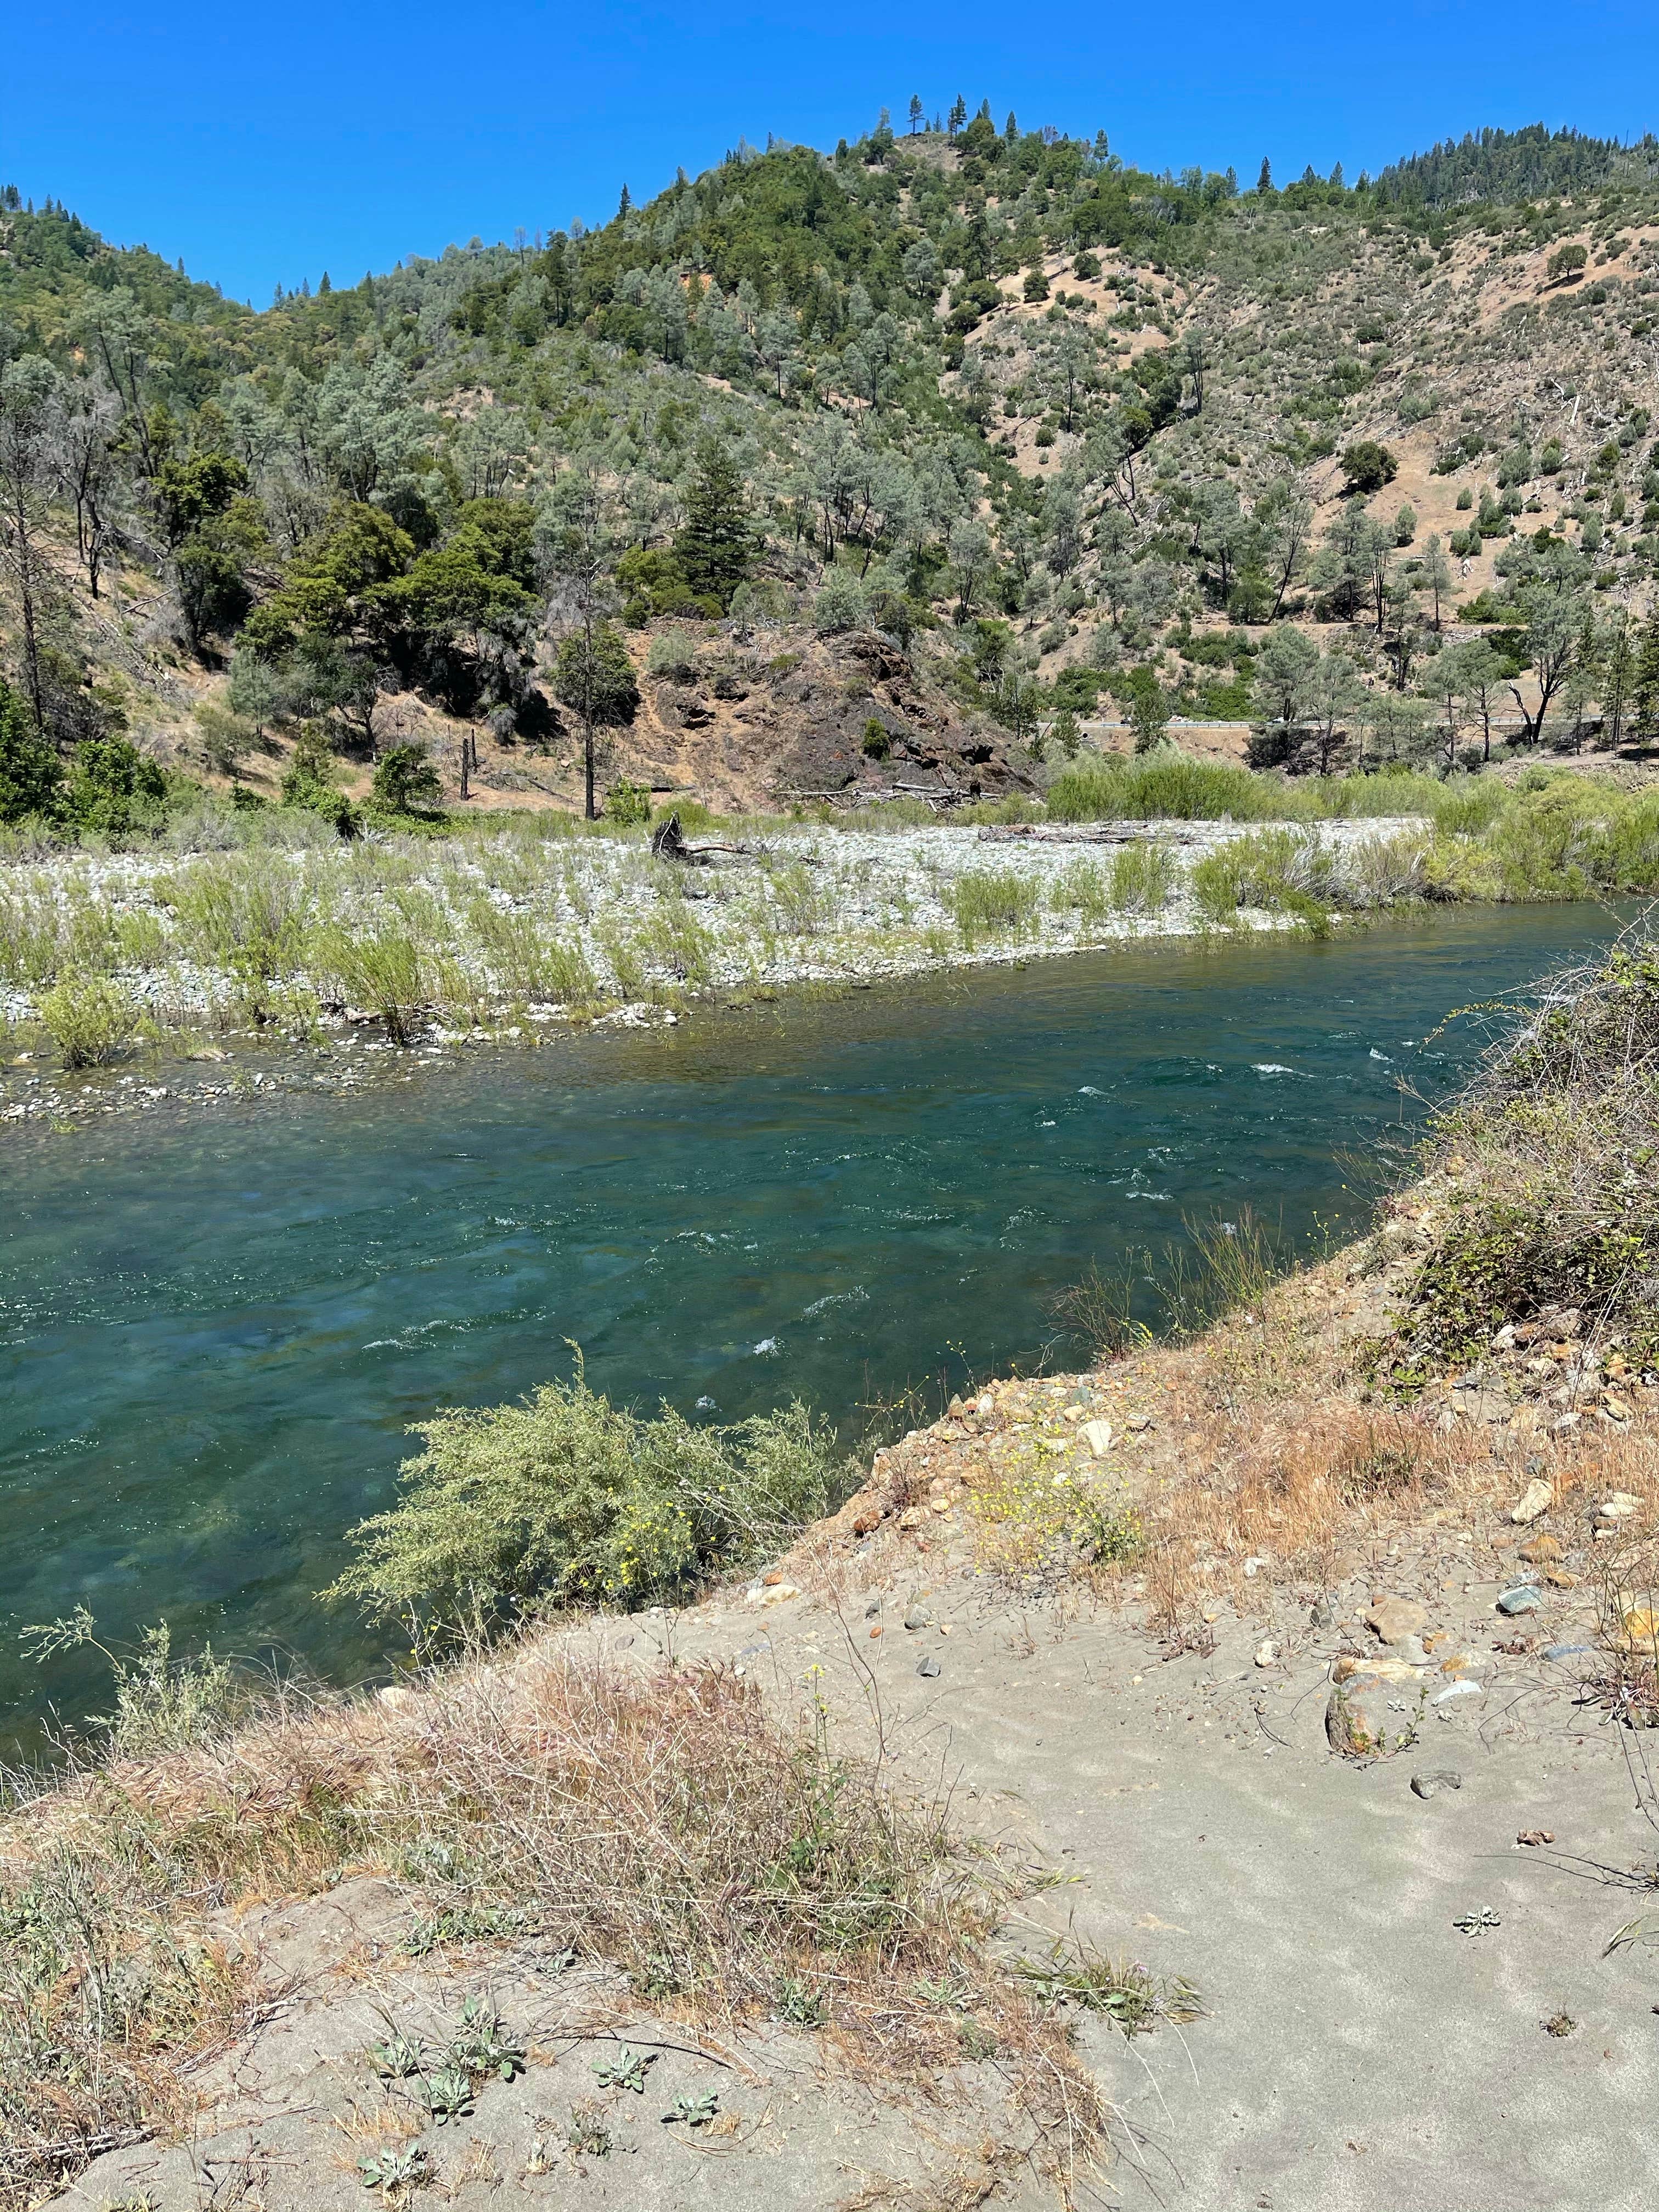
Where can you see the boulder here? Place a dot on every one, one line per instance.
(1367, 1717)
(1391, 1619)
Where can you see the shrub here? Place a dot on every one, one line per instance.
(878, 741)
(674, 653)
(567, 1499)
(1367, 467)
(992, 902)
(627, 804)
(1281, 871)
(1143, 876)
(405, 781)
(90, 1020)
(1554, 1203)
(382, 971)
(838, 604)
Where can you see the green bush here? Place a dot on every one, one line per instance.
(1143, 876)
(381, 971)
(567, 1499)
(992, 902)
(627, 804)
(1276, 869)
(1164, 786)
(405, 781)
(90, 1020)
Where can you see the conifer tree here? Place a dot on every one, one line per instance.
(716, 544)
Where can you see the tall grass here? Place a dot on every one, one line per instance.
(992, 902)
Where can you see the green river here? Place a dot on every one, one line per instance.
(216, 1323)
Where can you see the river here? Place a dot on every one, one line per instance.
(215, 1325)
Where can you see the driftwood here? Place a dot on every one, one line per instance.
(1097, 833)
(668, 843)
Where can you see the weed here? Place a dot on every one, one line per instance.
(802, 2003)
(1122, 1989)
(394, 2170)
(90, 1020)
(382, 971)
(693, 2111)
(447, 2094)
(398, 2057)
(627, 2071)
(1143, 877)
(460, 1923)
(481, 2047)
(992, 902)
(586, 2136)
(567, 1498)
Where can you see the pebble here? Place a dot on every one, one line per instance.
(918, 1617)
(1266, 1653)
(1567, 1651)
(1456, 1691)
(1426, 1785)
(1525, 1597)
(928, 1668)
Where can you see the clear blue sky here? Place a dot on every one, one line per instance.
(266, 144)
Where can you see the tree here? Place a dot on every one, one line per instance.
(714, 545)
(1617, 671)
(1284, 668)
(594, 678)
(1282, 521)
(1395, 724)
(1367, 467)
(1149, 709)
(1555, 627)
(917, 113)
(31, 774)
(1264, 182)
(1471, 673)
(958, 116)
(28, 402)
(86, 465)
(1645, 687)
(1437, 576)
(405, 781)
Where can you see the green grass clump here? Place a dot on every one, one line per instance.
(1143, 876)
(568, 1499)
(90, 1020)
(1279, 871)
(992, 902)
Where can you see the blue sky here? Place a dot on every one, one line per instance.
(268, 144)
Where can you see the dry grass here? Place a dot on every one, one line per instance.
(667, 1827)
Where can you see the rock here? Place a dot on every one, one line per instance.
(1559, 1578)
(1348, 1668)
(1391, 1619)
(1618, 1505)
(1098, 1435)
(914, 1518)
(1254, 1565)
(1532, 1505)
(1567, 1651)
(1454, 1693)
(395, 1694)
(1138, 1421)
(1266, 1653)
(1525, 1597)
(985, 1403)
(1320, 1614)
(1366, 1718)
(1539, 1550)
(928, 1668)
(918, 1617)
(1616, 1408)
(1534, 1836)
(1410, 1649)
(1641, 1625)
(867, 1523)
(1426, 1785)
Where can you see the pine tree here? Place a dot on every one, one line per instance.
(626, 201)
(958, 116)
(714, 545)
(1264, 183)
(1644, 691)
(917, 115)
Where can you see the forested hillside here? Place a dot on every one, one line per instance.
(825, 473)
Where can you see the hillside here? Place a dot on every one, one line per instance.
(953, 434)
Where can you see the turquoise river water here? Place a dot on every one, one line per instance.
(216, 1324)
